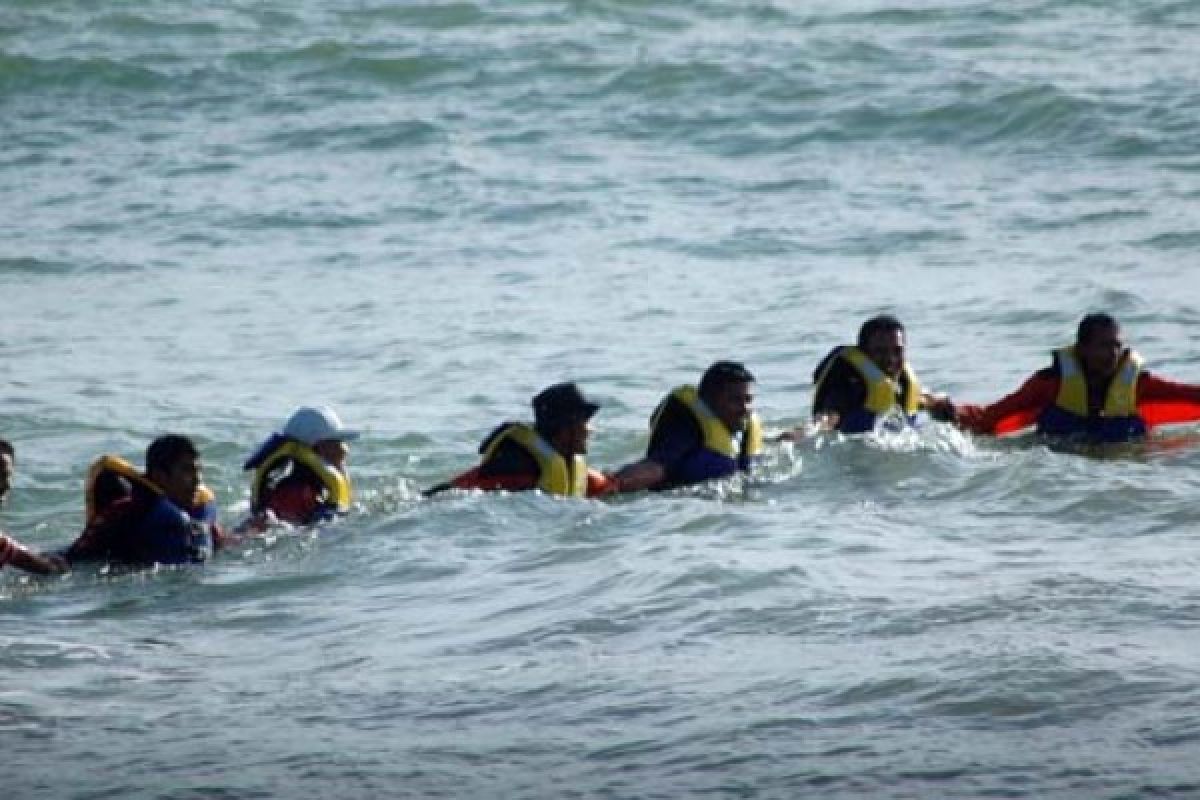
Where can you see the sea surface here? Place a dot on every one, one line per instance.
(424, 212)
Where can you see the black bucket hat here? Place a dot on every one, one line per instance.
(562, 404)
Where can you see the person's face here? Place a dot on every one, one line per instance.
(574, 438)
(180, 482)
(886, 349)
(6, 473)
(733, 404)
(1101, 353)
(334, 451)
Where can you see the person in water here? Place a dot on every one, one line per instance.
(699, 433)
(168, 516)
(1095, 391)
(857, 385)
(548, 455)
(13, 552)
(300, 473)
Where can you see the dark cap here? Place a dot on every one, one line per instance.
(562, 404)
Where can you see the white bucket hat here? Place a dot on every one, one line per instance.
(312, 425)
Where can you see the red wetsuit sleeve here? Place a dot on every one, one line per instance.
(471, 479)
(1012, 413)
(1163, 402)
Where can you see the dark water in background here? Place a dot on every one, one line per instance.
(422, 213)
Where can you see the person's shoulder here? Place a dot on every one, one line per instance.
(830, 358)
(1050, 373)
(163, 511)
(674, 416)
(835, 368)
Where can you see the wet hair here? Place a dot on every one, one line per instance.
(884, 323)
(722, 374)
(166, 451)
(6, 449)
(1092, 324)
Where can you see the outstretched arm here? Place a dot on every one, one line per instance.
(822, 422)
(1164, 402)
(1009, 414)
(938, 405)
(14, 553)
(644, 474)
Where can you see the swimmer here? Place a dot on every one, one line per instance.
(169, 517)
(699, 433)
(1095, 391)
(300, 473)
(548, 455)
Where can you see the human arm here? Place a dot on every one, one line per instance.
(14, 553)
(1012, 412)
(600, 484)
(821, 423)
(644, 474)
(674, 438)
(1164, 402)
(938, 406)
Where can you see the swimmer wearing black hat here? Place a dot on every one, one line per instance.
(547, 455)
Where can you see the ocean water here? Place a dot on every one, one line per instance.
(424, 212)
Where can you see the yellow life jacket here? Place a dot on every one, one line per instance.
(335, 482)
(1121, 398)
(717, 437)
(881, 389)
(121, 467)
(556, 475)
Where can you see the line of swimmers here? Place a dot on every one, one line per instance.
(1094, 391)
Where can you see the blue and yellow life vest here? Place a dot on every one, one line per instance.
(171, 535)
(720, 453)
(1118, 419)
(556, 474)
(280, 451)
(165, 533)
(882, 391)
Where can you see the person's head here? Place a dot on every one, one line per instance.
(173, 464)
(321, 429)
(1098, 345)
(727, 387)
(561, 414)
(8, 463)
(882, 339)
